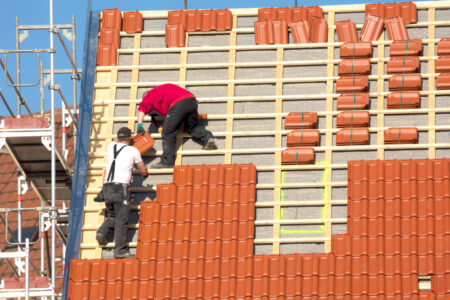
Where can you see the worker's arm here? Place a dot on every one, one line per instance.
(142, 168)
(141, 116)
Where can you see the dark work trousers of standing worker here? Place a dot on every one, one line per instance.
(185, 110)
(117, 203)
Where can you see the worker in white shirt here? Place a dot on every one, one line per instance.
(121, 160)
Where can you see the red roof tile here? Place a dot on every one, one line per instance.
(111, 17)
(400, 136)
(297, 156)
(132, 22)
(407, 10)
(443, 46)
(443, 64)
(405, 82)
(406, 47)
(352, 84)
(355, 50)
(404, 64)
(353, 101)
(301, 120)
(301, 138)
(353, 119)
(443, 81)
(398, 229)
(396, 28)
(300, 31)
(360, 66)
(175, 35)
(346, 31)
(401, 100)
(372, 28)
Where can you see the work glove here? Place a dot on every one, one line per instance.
(140, 129)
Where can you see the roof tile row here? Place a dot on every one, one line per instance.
(202, 20)
(406, 10)
(359, 66)
(406, 234)
(352, 136)
(355, 50)
(290, 14)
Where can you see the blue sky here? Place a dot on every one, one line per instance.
(36, 12)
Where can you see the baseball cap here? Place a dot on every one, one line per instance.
(124, 132)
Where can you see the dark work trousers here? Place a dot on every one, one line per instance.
(185, 110)
(117, 202)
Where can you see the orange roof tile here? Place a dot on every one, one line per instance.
(196, 241)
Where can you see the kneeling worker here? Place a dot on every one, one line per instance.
(121, 160)
(178, 105)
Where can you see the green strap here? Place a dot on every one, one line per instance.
(296, 156)
(302, 121)
(399, 131)
(351, 128)
(351, 136)
(403, 75)
(301, 138)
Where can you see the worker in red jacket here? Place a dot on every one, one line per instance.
(177, 105)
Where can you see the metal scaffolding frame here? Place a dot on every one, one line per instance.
(48, 215)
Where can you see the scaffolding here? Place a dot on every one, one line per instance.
(46, 167)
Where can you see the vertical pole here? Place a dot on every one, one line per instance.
(185, 4)
(19, 213)
(17, 66)
(41, 229)
(41, 88)
(74, 74)
(295, 3)
(27, 268)
(53, 177)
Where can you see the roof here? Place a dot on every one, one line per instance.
(30, 220)
(196, 240)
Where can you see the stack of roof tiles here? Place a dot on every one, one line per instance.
(307, 25)
(352, 85)
(196, 241)
(303, 136)
(443, 64)
(180, 21)
(404, 87)
(109, 39)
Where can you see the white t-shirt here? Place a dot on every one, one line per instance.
(125, 162)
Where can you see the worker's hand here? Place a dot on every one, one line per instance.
(140, 128)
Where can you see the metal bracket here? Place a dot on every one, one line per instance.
(67, 34)
(46, 79)
(19, 264)
(2, 142)
(23, 35)
(47, 142)
(24, 184)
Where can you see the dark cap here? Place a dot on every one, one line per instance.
(124, 132)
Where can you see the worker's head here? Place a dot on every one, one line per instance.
(124, 134)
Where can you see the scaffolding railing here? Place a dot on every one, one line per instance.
(47, 216)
